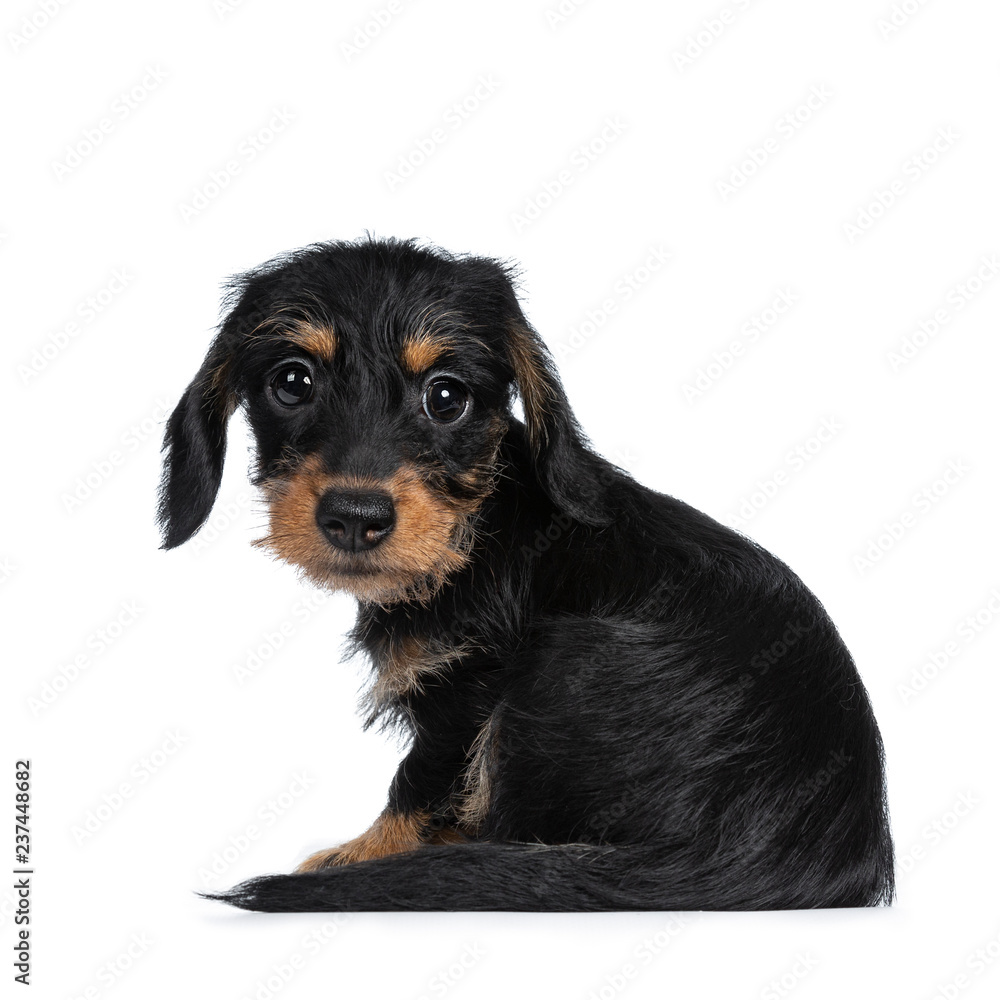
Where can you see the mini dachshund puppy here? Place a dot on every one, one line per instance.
(612, 701)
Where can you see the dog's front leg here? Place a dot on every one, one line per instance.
(417, 814)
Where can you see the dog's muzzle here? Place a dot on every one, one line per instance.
(355, 520)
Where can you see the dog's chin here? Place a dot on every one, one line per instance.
(369, 577)
(382, 586)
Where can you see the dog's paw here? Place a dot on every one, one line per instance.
(391, 833)
(345, 854)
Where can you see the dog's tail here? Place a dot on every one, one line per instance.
(500, 876)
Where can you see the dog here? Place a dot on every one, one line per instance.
(612, 701)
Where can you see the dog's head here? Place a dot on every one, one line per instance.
(378, 379)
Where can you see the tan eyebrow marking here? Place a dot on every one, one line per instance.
(318, 340)
(420, 351)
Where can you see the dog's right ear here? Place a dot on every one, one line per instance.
(195, 447)
(570, 473)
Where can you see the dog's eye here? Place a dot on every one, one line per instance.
(292, 385)
(445, 400)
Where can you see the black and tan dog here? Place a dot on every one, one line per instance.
(613, 702)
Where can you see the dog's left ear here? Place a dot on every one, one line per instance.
(575, 479)
(195, 446)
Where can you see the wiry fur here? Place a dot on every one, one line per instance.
(613, 701)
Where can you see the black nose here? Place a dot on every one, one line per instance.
(355, 520)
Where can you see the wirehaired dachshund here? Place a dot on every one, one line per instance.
(612, 702)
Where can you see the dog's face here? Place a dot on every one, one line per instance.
(376, 446)
(377, 378)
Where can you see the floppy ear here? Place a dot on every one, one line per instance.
(574, 478)
(195, 446)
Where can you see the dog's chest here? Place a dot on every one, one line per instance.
(403, 664)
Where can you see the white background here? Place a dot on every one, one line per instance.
(158, 706)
